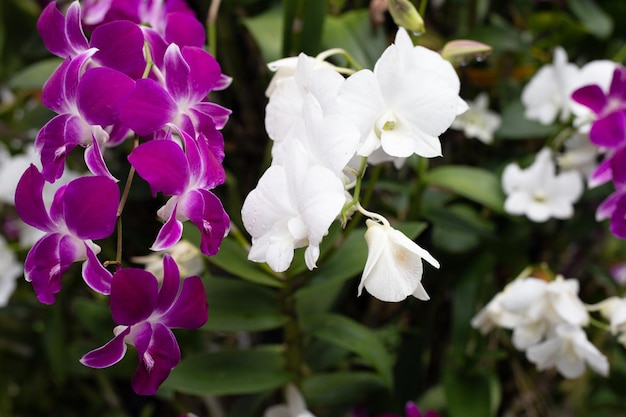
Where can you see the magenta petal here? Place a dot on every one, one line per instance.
(169, 286)
(218, 114)
(43, 268)
(120, 46)
(204, 71)
(133, 295)
(107, 355)
(176, 74)
(56, 139)
(53, 92)
(591, 96)
(184, 29)
(148, 108)
(91, 207)
(98, 105)
(62, 36)
(162, 164)
(190, 311)
(95, 161)
(618, 218)
(609, 131)
(169, 234)
(601, 174)
(157, 362)
(618, 167)
(205, 210)
(29, 200)
(608, 206)
(95, 275)
(411, 410)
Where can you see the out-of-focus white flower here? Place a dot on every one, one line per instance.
(187, 256)
(295, 406)
(532, 307)
(393, 269)
(538, 192)
(402, 106)
(580, 155)
(292, 206)
(10, 270)
(614, 310)
(547, 94)
(478, 121)
(569, 350)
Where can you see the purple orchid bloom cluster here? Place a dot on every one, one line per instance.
(608, 132)
(132, 70)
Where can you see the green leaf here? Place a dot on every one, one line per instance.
(340, 388)
(34, 76)
(356, 338)
(471, 395)
(458, 228)
(230, 372)
(353, 32)
(233, 258)
(264, 29)
(516, 126)
(592, 17)
(313, 17)
(236, 305)
(477, 184)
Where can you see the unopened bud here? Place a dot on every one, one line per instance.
(405, 15)
(462, 51)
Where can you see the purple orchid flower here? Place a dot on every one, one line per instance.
(180, 98)
(87, 114)
(119, 44)
(82, 210)
(187, 176)
(144, 314)
(609, 128)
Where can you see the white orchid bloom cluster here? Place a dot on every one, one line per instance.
(538, 192)
(548, 95)
(325, 129)
(478, 121)
(547, 320)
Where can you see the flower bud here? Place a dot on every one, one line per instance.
(405, 15)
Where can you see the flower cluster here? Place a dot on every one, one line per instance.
(130, 70)
(325, 130)
(547, 320)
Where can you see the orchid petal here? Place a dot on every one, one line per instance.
(176, 73)
(133, 295)
(120, 47)
(95, 161)
(184, 29)
(43, 269)
(148, 108)
(95, 275)
(592, 97)
(189, 311)
(609, 131)
(107, 355)
(29, 200)
(204, 71)
(162, 164)
(100, 106)
(170, 284)
(157, 362)
(169, 234)
(90, 207)
(205, 210)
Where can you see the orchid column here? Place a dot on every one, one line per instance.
(139, 74)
